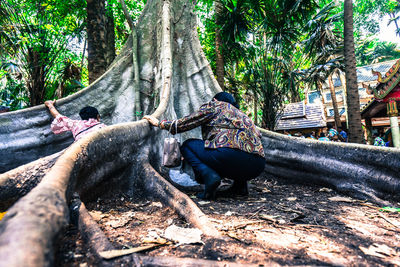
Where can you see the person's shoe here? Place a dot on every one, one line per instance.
(238, 189)
(211, 180)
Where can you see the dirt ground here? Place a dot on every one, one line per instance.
(289, 224)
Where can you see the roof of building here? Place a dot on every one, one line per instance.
(387, 82)
(301, 116)
(364, 73)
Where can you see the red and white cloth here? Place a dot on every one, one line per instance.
(79, 128)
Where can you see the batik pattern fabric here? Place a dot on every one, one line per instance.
(79, 128)
(379, 142)
(222, 125)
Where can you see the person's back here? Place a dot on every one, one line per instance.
(343, 134)
(230, 127)
(322, 137)
(90, 121)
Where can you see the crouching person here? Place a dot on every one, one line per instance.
(231, 145)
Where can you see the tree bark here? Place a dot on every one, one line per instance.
(334, 103)
(173, 88)
(96, 37)
(353, 99)
(220, 65)
(110, 36)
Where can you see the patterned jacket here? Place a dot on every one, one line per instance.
(222, 125)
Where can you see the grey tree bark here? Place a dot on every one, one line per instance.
(175, 79)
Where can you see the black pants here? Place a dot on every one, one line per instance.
(227, 162)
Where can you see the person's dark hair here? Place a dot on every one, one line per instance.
(226, 97)
(4, 109)
(329, 125)
(322, 134)
(88, 113)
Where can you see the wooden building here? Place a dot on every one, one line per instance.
(301, 117)
(364, 76)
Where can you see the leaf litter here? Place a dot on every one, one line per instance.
(290, 224)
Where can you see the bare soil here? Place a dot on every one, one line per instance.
(289, 224)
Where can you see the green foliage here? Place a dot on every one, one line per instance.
(390, 209)
(261, 51)
(206, 30)
(34, 38)
(371, 51)
(12, 91)
(43, 41)
(273, 50)
(122, 30)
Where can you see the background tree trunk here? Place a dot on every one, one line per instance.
(96, 37)
(334, 103)
(110, 37)
(353, 99)
(219, 62)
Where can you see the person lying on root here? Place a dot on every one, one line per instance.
(90, 121)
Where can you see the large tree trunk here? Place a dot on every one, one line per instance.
(175, 79)
(96, 37)
(353, 99)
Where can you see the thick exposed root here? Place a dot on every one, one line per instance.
(360, 171)
(157, 186)
(18, 182)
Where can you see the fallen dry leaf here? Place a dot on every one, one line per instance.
(109, 254)
(268, 217)
(341, 199)
(183, 235)
(234, 236)
(324, 189)
(156, 204)
(96, 215)
(378, 250)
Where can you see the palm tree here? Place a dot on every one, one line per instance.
(353, 99)
(323, 45)
(34, 44)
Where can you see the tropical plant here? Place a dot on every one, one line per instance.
(324, 48)
(34, 43)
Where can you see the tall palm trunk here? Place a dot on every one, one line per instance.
(353, 99)
(96, 37)
(334, 102)
(218, 45)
